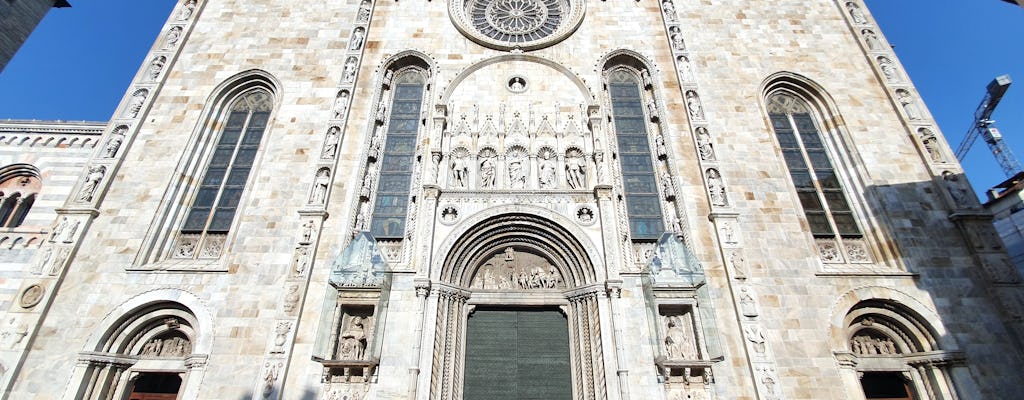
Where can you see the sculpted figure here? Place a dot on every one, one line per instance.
(857, 14)
(693, 105)
(930, 144)
(172, 37)
(357, 39)
(888, 69)
(677, 38)
(331, 143)
(517, 173)
(460, 171)
(156, 67)
(871, 39)
(547, 170)
(677, 343)
(960, 195)
(908, 103)
(575, 172)
(353, 339)
(136, 102)
(704, 146)
(92, 181)
(187, 10)
(320, 183)
(670, 10)
(349, 74)
(341, 104)
(114, 142)
(716, 188)
(487, 172)
(685, 69)
(364, 11)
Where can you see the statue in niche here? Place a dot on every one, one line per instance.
(693, 105)
(291, 300)
(738, 267)
(755, 336)
(960, 194)
(388, 76)
(659, 145)
(871, 39)
(748, 306)
(547, 169)
(320, 184)
(68, 235)
(156, 67)
(460, 171)
(685, 69)
(678, 343)
(187, 10)
(487, 171)
(172, 37)
(135, 103)
(307, 231)
(888, 69)
(352, 345)
(575, 171)
(670, 11)
(376, 141)
(704, 146)
(331, 143)
(341, 104)
(856, 14)
(931, 144)
(908, 103)
(517, 172)
(716, 188)
(92, 181)
(358, 36)
(667, 186)
(114, 142)
(363, 218)
(371, 176)
(676, 36)
(382, 111)
(301, 260)
(364, 11)
(349, 74)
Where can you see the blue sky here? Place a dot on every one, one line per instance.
(79, 61)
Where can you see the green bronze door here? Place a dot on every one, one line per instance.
(517, 354)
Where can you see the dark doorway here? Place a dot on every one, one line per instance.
(885, 386)
(517, 354)
(155, 386)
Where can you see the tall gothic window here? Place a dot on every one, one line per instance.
(214, 207)
(642, 202)
(818, 186)
(392, 201)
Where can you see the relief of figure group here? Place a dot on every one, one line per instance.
(526, 271)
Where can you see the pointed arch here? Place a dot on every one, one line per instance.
(808, 131)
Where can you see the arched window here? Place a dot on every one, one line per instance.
(19, 186)
(818, 185)
(214, 206)
(643, 204)
(397, 159)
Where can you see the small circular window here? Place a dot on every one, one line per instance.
(516, 24)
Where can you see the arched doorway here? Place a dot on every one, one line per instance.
(518, 314)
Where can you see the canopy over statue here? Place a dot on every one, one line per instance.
(360, 264)
(674, 264)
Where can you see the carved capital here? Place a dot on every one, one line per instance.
(613, 287)
(431, 192)
(422, 287)
(603, 192)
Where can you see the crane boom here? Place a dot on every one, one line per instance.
(984, 126)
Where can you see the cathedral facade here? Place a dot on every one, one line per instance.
(504, 199)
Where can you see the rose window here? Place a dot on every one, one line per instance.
(516, 24)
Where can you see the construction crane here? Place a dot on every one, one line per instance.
(984, 126)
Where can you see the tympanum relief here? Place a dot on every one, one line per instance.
(517, 271)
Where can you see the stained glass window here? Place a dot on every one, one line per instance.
(643, 204)
(392, 202)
